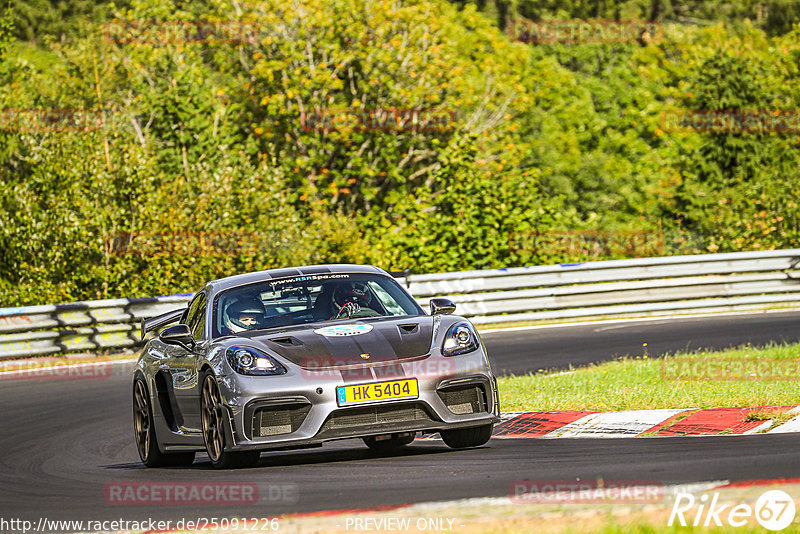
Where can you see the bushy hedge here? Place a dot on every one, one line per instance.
(295, 144)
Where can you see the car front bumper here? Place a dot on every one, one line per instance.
(302, 406)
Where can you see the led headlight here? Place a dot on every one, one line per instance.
(251, 361)
(460, 339)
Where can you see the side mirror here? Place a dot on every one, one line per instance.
(178, 334)
(441, 306)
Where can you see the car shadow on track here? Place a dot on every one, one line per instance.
(313, 457)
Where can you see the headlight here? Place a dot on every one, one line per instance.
(250, 361)
(460, 339)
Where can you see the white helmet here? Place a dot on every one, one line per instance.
(244, 306)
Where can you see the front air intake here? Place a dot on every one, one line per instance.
(276, 420)
(374, 416)
(463, 400)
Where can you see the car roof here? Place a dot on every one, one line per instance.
(247, 278)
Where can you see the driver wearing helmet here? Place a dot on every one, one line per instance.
(245, 314)
(351, 298)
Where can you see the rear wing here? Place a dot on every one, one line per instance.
(401, 275)
(148, 325)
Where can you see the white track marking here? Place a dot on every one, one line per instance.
(663, 318)
(614, 424)
(760, 428)
(792, 425)
(428, 507)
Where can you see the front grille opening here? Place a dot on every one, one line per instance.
(275, 420)
(463, 400)
(374, 415)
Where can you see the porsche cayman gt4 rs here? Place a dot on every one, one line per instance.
(291, 358)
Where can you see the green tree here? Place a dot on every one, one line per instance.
(737, 187)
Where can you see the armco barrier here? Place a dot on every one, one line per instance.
(86, 326)
(619, 288)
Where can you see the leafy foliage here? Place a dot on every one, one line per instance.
(775, 17)
(291, 139)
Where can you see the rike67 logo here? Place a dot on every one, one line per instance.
(774, 510)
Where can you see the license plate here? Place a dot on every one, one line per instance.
(377, 391)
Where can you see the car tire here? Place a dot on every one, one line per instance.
(395, 442)
(144, 432)
(467, 437)
(212, 419)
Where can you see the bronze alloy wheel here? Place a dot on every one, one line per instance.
(145, 433)
(212, 420)
(214, 430)
(141, 419)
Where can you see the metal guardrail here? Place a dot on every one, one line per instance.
(618, 288)
(89, 325)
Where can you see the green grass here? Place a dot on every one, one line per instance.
(738, 377)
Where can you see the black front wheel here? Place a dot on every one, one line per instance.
(214, 430)
(467, 437)
(145, 433)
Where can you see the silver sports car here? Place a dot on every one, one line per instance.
(291, 358)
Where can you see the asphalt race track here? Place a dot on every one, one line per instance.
(64, 442)
(522, 351)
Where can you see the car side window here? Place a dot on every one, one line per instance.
(200, 323)
(197, 315)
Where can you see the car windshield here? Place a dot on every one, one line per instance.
(307, 299)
